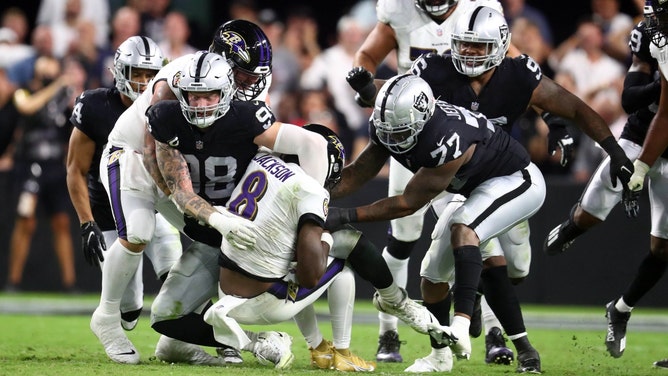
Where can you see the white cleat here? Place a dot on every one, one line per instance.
(431, 363)
(408, 310)
(273, 348)
(107, 329)
(461, 348)
(174, 351)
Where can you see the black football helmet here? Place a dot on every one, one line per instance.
(335, 153)
(435, 7)
(248, 50)
(656, 21)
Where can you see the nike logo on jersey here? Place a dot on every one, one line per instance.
(440, 142)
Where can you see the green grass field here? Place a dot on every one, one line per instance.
(62, 344)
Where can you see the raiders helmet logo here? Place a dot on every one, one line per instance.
(176, 79)
(504, 33)
(237, 44)
(421, 102)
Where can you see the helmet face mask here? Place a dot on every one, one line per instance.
(403, 105)
(479, 41)
(135, 53)
(656, 21)
(206, 74)
(248, 50)
(435, 7)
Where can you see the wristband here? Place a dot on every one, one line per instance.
(326, 237)
(216, 219)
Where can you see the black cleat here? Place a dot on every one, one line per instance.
(388, 348)
(528, 362)
(661, 363)
(615, 339)
(496, 350)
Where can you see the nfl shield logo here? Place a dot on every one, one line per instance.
(439, 32)
(199, 145)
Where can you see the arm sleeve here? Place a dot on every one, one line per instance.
(639, 91)
(310, 147)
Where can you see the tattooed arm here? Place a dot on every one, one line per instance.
(161, 91)
(174, 169)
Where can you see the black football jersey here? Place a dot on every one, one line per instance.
(449, 133)
(95, 113)
(638, 122)
(503, 100)
(217, 156)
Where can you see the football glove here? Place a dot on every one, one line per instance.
(632, 191)
(558, 138)
(239, 231)
(361, 80)
(337, 218)
(620, 166)
(92, 243)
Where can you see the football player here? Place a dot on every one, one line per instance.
(448, 149)
(412, 28)
(641, 99)
(135, 195)
(479, 76)
(136, 62)
(210, 117)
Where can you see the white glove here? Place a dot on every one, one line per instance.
(238, 231)
(638, 178)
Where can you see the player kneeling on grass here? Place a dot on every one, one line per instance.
(265, 284)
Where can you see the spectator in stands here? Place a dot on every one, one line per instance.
(40, 168)
(176, 32)
(514, 9)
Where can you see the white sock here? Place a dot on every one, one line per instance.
(621, 305)
(399, 270)
(308, 326)
(391, 294)
(341, 299)
(462, 323)
(488, 318)
(119, 267)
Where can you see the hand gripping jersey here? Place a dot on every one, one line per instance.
(448, 134)
(95, 113)
(217, 156)
(503, 99)
(276, 196)
(416, 33)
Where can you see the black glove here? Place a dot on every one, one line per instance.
(337, 218)
(630, 201)
(558, 138)
(361, 80)
(92, 243)
(620, 166)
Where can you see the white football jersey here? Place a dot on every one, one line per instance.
(416, 32)
(274, 195)
(128, 131)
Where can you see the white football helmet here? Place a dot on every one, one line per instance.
(435, 7)
(483, 26)
(135, 52)
(403, 104)
(206, 72)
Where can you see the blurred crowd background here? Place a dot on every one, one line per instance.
(582, 44)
